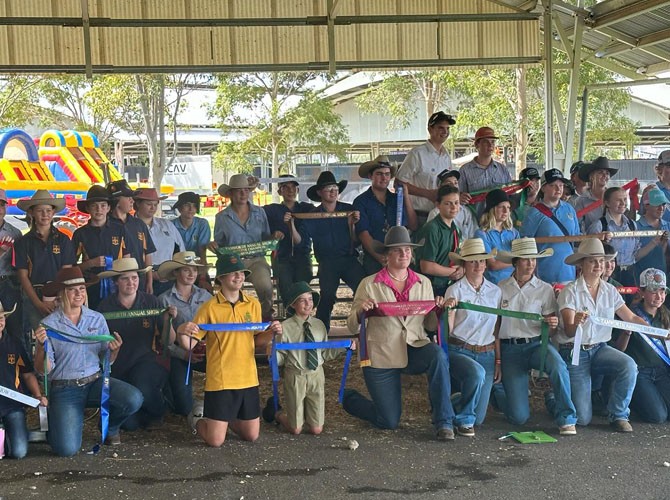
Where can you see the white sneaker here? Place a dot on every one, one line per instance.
(195, 415)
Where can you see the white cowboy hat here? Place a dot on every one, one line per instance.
(472, 249)
(124, 265)
(179, 260)
(238, 181)
(523, 248)
(42, 197)
(590, 247)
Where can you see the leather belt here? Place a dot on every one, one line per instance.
(472, 347)
(520, 340)
(77, 382)
(583, 347)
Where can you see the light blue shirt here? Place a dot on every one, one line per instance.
(475, 177)
(502, 240)
(186, 309)
(196, 236)
(655, 258)
(228, 230)
(666, 192)
(70, 361)
(536, 224)
(166, 239)
(626, 247)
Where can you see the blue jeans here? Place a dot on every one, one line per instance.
(346, 268)
(601, 360)
(517, 361)
(16, 433)
(177, 392)
(66, 412)
(384, 386)
(472, 373)
(651, 398)
(150, 378)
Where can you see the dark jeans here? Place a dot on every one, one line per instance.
(178, 394)
(66, 411)
(290, 270)
(384, 386)
(149, 378)
(651, 397)
(16, 434)
(330, 272)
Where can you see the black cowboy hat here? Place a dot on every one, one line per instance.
(326, 178)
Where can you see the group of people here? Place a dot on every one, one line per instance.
(462, 241)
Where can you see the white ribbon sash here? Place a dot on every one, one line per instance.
(17, 396)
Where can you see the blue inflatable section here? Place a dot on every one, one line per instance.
(10, 134)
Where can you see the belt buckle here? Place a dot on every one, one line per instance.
(80, 382)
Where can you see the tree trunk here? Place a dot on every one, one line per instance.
(521, 139)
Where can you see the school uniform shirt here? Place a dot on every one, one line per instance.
(285, 249)
(626, 247)
(229, 230)
(377, 217)
(71, 361)
(42, 259)
(137, 239)
(655, 258)
(139, 335)
(535, 297)
(95, 241)
(576, 296)
(230, 354)
(552, 269)
(196, 236)
(469, 326)
(14, 362)
(644, 355)
(292, 331)
(500, 240)
(438, 240)
(465, 220)
(331, 236)
(582, 201)
(6, 229)
(166, 238)
(420, 168)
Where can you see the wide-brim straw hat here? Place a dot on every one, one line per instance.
(42, 197)
(68, 276)
(590, 247)
(238, 181)
(95, 193)
(381, 161)
(523, 248)
(4, 313)
(125, 265)
(297, 289)
(181, 259)
(325, 179)
(397, 236)
(472, 249)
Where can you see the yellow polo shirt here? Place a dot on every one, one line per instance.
(230, 354)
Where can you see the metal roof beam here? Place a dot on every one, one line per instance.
(103, 22)
(644, 41)
(631, 41)
(612, 11)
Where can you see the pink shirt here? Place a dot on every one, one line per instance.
(384, 277)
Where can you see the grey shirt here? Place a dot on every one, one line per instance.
(229, 230)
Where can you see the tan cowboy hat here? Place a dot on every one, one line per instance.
(381, 161)
(124, 265)
(238, 181)
(397, 236)
(472, 249)
(523, 248)
(42, 197)
(590, 247)
(68, 276)
(4, 313)
(179, 260)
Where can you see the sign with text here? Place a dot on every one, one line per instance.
(190, 173)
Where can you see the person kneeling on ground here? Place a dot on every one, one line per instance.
(304, 381)
(398, 344)
(231, 386)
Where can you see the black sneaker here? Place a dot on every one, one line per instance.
(269, 410)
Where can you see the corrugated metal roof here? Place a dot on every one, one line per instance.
(212, 35)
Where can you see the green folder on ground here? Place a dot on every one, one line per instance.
(532, 437)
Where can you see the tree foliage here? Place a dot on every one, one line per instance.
(280, 115)
(19, 96)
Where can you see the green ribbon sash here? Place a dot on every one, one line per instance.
(249, 249)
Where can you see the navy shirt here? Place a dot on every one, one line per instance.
(13, 363)
(137, 240)
(275, 213)
(377, 218)
(138, 334)
(43, 259)
(331, 236)
(92, 241)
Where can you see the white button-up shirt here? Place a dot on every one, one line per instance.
(470, 326)
(535, 297)
(420, 168)
(165, 236)
(576, 296)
